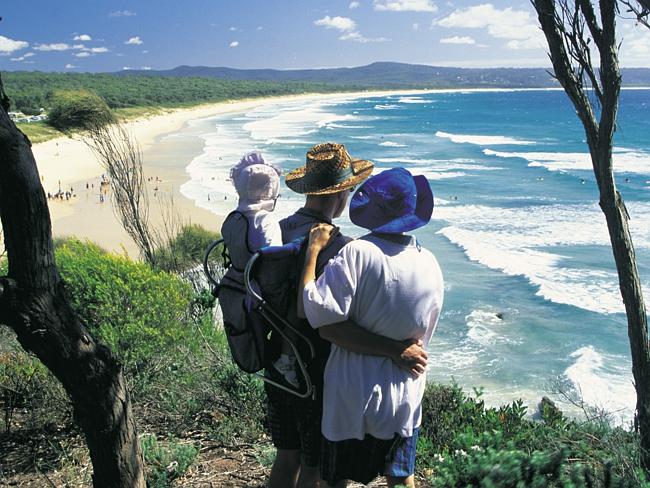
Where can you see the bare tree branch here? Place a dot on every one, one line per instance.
(121, 157)
(640, 9)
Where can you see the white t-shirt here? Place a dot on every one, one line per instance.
(394, 289)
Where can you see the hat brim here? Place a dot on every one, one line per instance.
(420, 216)
(298, 181)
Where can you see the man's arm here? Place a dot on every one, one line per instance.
(408, 355)
(348, 335)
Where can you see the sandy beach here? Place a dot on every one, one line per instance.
(68, 164)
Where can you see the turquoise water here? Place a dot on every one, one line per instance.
(531, 299)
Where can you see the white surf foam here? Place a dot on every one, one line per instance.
(486, 328)
(624, 161)
(482, 140)
(412, 100)
(391, 144)
(516, 241)
(386, 106)
(440, 164)
(603, 381)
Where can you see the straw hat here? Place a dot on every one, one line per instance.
(329, 169)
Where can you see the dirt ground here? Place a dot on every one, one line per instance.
(59, 459)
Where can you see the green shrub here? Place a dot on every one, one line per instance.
(186, 250)
(488, 445)
(166, 461)
(77, 109)
(29, 389)
(139, 313)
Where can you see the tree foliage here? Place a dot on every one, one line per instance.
(33, 90)
(79, 109)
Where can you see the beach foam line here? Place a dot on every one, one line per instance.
(603, 381)
(482, 140)
(624, 161)
(417, 100)
(526, 241)
(392, 144)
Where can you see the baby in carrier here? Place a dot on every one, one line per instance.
(252, 226)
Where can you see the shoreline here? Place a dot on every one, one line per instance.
(67, 163)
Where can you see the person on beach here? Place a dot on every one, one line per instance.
(389, 285)
(327, 180)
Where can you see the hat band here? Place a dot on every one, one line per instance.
(325, 180)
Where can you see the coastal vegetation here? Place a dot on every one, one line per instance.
(35, 90)
(77, 109)
(190, 399)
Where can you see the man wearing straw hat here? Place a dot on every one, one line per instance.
(388, 284)
(327, 180)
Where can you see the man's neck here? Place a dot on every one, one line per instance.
(317, 206)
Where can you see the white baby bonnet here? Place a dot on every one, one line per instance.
(256, 181)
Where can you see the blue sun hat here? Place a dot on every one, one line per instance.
(392, 202)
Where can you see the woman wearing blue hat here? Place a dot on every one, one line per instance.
(388, 284)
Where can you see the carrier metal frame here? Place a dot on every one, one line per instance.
(278, 323)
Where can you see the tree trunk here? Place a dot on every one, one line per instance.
(34, 303)
(630, 285)
(562, 34)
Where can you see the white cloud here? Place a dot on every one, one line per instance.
(518, 27)
(82, 37)
(97, 50)
(59, 46)
(635, 45)
(233, 29)
(405, 5)
(126, 68)
(259, 28)
(145, 68)
(358, 37)
(458, 40)
(354, 5)
(348, 29)
(8, 46)
(122, 13)
(82, 54)
(344, 24)
(134, 40)
(23, 57)
(234, 44)
(69, 66)
(416, 26)
(146, 51)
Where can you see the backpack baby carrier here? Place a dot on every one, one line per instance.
(256, 291)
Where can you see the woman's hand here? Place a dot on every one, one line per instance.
(320, 236)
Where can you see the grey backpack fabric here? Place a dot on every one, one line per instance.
(246, 330)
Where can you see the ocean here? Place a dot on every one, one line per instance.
(532, 304)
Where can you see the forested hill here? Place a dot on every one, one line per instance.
(29, 91)
(394, 75)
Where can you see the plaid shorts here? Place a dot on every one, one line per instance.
(363, 461)
(295, 423)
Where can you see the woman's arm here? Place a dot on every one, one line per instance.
(319, 236)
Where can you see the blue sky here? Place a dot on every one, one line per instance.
(102, 35)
